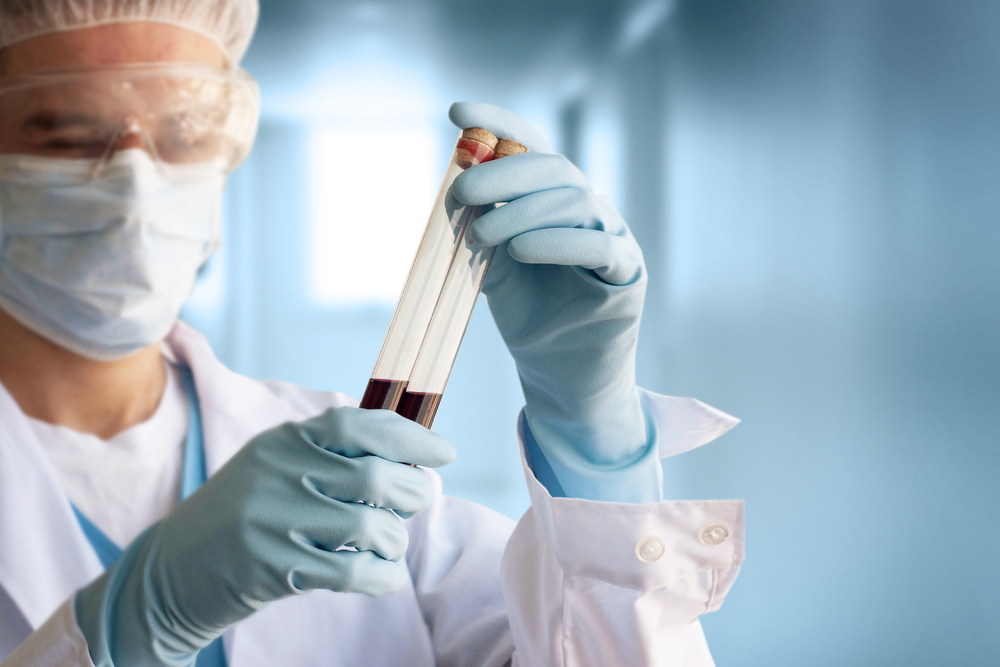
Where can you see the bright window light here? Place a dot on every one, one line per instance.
(372, 191)
(601, 161)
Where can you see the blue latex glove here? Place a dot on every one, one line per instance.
(264, 527)
(566, 288)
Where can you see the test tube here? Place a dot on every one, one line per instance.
(463, 282)
(427, 275)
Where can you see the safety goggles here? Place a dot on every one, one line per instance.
(182, 115)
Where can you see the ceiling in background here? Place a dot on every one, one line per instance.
(308, 51)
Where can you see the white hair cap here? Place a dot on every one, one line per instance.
(229, 23)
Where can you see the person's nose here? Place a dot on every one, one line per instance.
(133, 135)
(131, 140)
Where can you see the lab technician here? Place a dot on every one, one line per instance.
(157, 509)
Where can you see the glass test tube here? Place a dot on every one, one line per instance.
(422, 394)
(427, 275)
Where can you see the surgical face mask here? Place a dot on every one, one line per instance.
(103, 268)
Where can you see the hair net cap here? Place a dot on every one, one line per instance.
(229, 23)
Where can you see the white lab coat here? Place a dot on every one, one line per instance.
(562, 587)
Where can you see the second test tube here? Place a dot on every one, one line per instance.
(427, 275)
(462, 284)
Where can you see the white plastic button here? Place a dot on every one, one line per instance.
(650, 549)
(714, 533)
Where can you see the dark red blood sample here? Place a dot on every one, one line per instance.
(419, 407)
(382, 394)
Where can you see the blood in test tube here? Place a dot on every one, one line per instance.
(442, 236)
(466, 274)
(419, 407)
(381, 393)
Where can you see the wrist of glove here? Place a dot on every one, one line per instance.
(312, 505)
(567, 470)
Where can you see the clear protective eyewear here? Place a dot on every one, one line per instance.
(188, 117)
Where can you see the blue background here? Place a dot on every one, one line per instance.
(815, 186)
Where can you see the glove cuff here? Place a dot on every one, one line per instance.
(565, 473)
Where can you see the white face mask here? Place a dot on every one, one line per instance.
(103, 268)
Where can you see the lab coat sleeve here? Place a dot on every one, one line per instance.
(57, 643)
(454, 557)
(573, 590)
(590, 583)
(579, 594)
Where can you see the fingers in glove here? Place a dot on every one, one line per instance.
(373, 481)
(349, 572)
(501, 122)
(356, 525)
(516, 176)
(563, 207)
(616, 260)
(353, 432)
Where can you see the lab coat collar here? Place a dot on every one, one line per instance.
(234, 408)
(38, 532)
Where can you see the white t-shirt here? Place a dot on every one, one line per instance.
(125, 484)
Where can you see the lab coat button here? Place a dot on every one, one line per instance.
(650, 549)
(714, 533)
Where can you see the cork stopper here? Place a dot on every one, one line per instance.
(480, 135)
(507, 147)
(475, 146)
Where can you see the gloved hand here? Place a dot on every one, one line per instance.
(566, 288)
(264, 527)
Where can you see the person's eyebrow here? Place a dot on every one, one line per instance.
(55, 120)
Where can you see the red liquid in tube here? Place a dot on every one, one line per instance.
(382, 394)
(419, 407)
